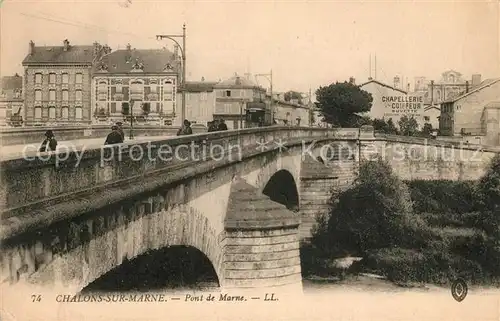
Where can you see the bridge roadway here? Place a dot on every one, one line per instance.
(20, 150)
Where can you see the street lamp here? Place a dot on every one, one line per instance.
(183, 56)
(269, 77)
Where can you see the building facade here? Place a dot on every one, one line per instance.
(241, 102)
(391, 103)
(200, 102)
(464, 115)
(11, 100)
(57, 84)
(450, 85)
(140, 83)
(290, 113)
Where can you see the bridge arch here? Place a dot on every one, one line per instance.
(282, 188)
(159, 269)
(123, 238)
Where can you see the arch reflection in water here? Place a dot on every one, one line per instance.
(175, 267)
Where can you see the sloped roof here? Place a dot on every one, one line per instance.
(237, 82)
(9, 85)
(493, 104)
(153, 60)
(57, 55)
(481, 86)
(382, 84)
(200, 86)
(11, 82)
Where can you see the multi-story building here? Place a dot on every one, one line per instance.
(465, 115)
(57, 81)
(138, 82)
(391, 103)
(11, 100)
(449, 86)
(238, 97)
(200, 102)
(290, 113)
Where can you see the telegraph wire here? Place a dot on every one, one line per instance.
(78, 24)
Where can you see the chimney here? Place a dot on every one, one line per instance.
(476, 79)
(396, 82)
(352, 80)
(467, 86)
(370, 78)
(66, 44)
(128, 55)
(202, 78)
(32, 47)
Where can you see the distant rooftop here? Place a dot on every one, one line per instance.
(66, 54)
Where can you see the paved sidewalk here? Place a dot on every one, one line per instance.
(18, 151)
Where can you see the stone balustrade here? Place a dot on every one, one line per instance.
(95, 177)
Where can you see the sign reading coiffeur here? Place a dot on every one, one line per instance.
(411, 105)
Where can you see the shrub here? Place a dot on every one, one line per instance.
(375, 212)
(443, 196)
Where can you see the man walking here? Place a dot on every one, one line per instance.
(49, 143)
(114, 137)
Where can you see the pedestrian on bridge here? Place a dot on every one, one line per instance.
(114, 137)
(120, 130)
(185, 129)
(49, 143)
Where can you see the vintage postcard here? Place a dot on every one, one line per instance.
(249, 160)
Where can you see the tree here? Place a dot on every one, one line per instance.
(426, 130)
(289, 95)
(386, 127)
(340, 102)
(375, 213)
(408, 126)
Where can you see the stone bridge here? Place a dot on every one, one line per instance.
(243, 198)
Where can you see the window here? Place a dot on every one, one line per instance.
(227, 108)
(78, 78)
(168, 90)
(65, 78)
(52, 78)
(38, 78)
(203, 96)
(52, 95)
(102, 87)
(426, 118)
(136, 87)
(78, 95)
(38, 95)
(38, 112)
(78, 113)
(65, 113)
(228, 93)
(52, 112)
(65, 95)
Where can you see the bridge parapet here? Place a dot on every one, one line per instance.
(46, 180)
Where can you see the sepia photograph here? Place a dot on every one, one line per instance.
(249, 160)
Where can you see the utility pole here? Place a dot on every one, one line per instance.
(271, 105)
(183, 57)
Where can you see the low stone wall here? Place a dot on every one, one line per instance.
(418, 158)
(18, 136)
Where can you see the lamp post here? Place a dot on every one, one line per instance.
(131, 135)
(269, 77)
(183, 56)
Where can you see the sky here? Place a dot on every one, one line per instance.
(306, 44)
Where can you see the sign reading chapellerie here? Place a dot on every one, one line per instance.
(409, 105)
